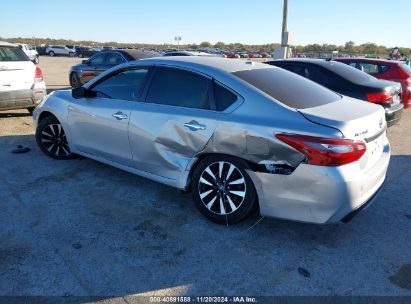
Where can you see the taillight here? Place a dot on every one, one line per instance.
(325, 151)
(38, 77)
(380, 97)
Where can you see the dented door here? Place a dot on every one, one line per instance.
(164, 139)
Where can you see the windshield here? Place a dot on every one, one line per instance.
(348, 72)
(10, 53)
(288, 88)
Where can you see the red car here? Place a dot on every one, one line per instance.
(397, 71)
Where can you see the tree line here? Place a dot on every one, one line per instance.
(349, 47)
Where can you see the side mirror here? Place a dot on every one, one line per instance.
(85, 61)
(81, 92)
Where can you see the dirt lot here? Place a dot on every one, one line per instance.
(81, 228)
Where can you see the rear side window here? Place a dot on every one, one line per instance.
(115, 59)
(288, 88)
(181, 88)
(126, 85)
(348, 72)
(369, 68)
(12, 54)
(223, 97)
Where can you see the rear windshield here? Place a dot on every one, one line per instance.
(406, 68)
(348, 72)
(288, 88)
(8, 53)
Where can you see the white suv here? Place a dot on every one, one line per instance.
(30, 52)
(53, 50)
(21, 82)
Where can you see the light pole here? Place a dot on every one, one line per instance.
(284, 42)
(178, 39)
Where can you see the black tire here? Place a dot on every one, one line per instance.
(71, 54)
(36, 60)
(74, 81)
(52, 54)
(80, 55)
(51, 139)
(31, 110)
(231, 195)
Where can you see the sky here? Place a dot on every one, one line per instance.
(246, 21)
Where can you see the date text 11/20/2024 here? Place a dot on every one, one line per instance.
(187, 299)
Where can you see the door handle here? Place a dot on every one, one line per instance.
(194, 126)
(120, 116)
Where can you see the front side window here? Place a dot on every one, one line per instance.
(115, 59)
(126, 85)
(12, 54)
(181, 88)
(98, 59)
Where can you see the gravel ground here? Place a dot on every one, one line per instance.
(81, 228)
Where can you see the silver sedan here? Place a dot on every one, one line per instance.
(238, 134)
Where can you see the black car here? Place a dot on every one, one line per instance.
(84, 51)
(90, 68)
(349, 81)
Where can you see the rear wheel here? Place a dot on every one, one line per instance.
(74, 81)
(36, 60)
(222, 189)
(80, 55)
(51, 139)
(30, 110)
(71, 54)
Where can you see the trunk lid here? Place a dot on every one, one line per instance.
(357, 120)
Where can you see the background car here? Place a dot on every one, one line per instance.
(30, 52)
(90, 68)
(349, 81)
(53, 50)
(85, 51)
(397, 71)
(21, 82)
(186, 53)
(235, 133)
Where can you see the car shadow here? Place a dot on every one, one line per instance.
(93, 232)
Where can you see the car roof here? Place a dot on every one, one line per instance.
(207, 63)
(137, 54)
(4, 43)
(370, 60)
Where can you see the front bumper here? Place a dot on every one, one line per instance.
(320, 195)
(19, 99)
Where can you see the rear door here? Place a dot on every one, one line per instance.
(174, 124)
(99, 126)
(16, 70)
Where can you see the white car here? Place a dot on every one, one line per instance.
(30, 52)
(21, 82)
(53, 50)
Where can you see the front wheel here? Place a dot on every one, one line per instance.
(71, 54)
(51, 139)
(222, 189)
(52, 54)
(36, 60)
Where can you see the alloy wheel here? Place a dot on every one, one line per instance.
(54, 140)
(222, 188)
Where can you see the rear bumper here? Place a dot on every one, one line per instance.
(320, 195)
(22, 98)
(394, 114)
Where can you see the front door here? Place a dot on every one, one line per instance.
(99, 126)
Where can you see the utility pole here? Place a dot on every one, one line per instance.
(284, 42)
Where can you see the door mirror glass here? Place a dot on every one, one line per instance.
(81, 92)
(85, 61)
